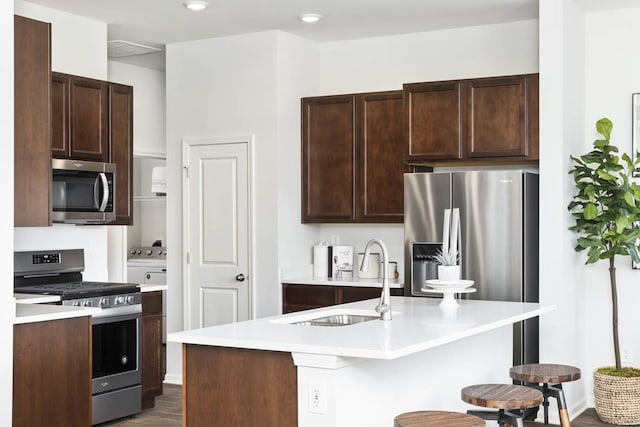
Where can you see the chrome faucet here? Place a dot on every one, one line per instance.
(384, 306)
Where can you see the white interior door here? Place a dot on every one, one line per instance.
(216, 215)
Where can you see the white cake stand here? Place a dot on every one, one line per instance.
(448, 301)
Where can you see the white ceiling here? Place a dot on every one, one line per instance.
(159, 22)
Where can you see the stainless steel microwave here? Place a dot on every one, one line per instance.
(83, 192)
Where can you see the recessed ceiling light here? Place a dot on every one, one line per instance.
(310, 18)
(196, 5)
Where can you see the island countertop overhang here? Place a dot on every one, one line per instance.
(418, 324)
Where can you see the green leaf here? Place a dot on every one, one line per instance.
(606, 176)
(600, 143)
(604, 126)
(594, 255)
(621, 223)
(630, 199)
(590, 211)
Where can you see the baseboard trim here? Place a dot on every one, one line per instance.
(173, 379)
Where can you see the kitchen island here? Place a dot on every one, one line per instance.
(272, 371)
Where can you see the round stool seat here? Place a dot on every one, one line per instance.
(544, 373)
(437, 419)
(502, 396)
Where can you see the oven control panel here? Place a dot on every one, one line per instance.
(106, 301)
(48, 258)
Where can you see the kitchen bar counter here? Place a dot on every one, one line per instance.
(330, 281)
(342, 376)
(30, 313)
(418, 324)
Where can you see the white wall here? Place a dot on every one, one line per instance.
(7, 303)
(78, 46)
(296, 74)
(562, 336)
(224, 87)
(148, 106)
(385, 63)
(612, 70)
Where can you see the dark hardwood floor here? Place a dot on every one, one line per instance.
(588, 418)
(168, 413)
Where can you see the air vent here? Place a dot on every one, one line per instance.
(120, 48)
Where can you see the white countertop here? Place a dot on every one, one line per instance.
(30, 313)
(35, 298)
(418, 324)
(367, 283)
(152, 288)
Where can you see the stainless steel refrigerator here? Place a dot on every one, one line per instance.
(498, 244)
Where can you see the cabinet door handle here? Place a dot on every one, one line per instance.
(240, 277)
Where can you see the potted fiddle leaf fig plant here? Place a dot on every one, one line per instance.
(605, 208)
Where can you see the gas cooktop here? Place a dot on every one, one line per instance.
(59, 272)
(73, 290)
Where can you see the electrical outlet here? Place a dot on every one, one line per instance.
(317, 397)
(335, 239)
(626, 355)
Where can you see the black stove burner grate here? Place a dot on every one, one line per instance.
(73, 290)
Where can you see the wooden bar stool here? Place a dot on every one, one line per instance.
(503, 397)
(437, 419)
(548, 378)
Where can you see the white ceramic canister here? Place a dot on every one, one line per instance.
(373, 272)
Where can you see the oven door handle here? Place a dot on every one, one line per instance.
(116, 314)
(105, 191)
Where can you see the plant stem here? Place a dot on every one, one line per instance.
(614, 299)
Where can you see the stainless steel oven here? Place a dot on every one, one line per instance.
(116, 357)
(116, 326)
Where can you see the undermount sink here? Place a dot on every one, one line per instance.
(328, 317)
(337, 320)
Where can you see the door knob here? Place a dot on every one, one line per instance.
(240, 277)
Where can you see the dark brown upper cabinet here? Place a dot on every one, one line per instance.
(79, 111)
(434, 120)
(379, 165)
(489, 120)
(352, 158)
(121, 149)
(328, 159)
(32, 143)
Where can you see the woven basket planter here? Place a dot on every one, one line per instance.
(617, 399)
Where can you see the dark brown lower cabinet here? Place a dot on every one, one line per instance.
(52, 373)
(305, 297)
(152, 360)
(238, 387)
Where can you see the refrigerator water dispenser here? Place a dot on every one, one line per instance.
(423, 267)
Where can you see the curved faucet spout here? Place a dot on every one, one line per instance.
(384, 306)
